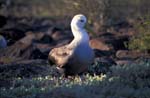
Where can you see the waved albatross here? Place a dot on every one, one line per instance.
(75, 57)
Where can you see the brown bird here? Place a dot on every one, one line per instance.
(75, 57)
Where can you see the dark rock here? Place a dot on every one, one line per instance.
(26, 48)
(124, 62)
(21, 51)
(13, 35)
(55, 29)
(119, 42)
(103, 53)
(45, 39)
(37, 54)
(59, 35)
(3, 21)
(43, 47)
(115, 39)
(18, 50)
(126, 54)
(63, 42)
(106, 34)
(107, 61)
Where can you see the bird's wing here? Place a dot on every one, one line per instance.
(61, 55)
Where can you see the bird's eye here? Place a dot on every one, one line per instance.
(81, 20)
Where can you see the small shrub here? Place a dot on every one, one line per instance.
(141, 40)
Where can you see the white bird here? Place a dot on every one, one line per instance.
(3, 42)
(75, 57)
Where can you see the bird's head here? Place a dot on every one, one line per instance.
(78, 21)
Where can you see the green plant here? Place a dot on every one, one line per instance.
(141, 40)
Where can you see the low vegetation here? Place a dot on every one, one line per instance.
(141, 40)
(128, 81)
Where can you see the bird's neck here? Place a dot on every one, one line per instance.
(80, 36)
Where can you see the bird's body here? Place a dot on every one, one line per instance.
(75, 57)
(3, 42)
